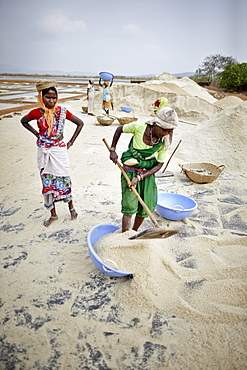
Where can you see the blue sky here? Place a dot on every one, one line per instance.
(131, 37)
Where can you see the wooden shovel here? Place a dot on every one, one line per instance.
(153, 233)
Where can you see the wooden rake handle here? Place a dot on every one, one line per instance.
(171, 156)
(134, 190)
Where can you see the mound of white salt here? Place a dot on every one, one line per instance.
(228, 101)
(186, 84)
(162, 282)
(220, 140)
(141, 97)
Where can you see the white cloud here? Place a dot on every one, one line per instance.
(131, 30)
(60, 24)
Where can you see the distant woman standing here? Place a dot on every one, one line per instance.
(90, 96)
(106, 97)
(52, 156)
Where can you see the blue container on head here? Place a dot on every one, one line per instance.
(106, 76)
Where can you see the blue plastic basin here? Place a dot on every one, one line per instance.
(175, 206)
(94, 234)
(126, 109)
(106, 76)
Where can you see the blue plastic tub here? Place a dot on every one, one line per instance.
(126, 109)
(95, 233)
(175, 206)
(106, 76)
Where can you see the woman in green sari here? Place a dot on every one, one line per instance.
(145, 156)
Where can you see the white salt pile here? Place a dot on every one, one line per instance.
(163, 281)
(220, 140)
(185, 84)
(190, 101)
(228, 101)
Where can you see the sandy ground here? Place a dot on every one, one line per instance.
(186, 305)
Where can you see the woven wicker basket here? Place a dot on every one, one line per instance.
(202, 173)
(105, 120)
(85, 109)
(126, 120)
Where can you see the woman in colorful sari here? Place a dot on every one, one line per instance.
(52, 156)
(145, 156)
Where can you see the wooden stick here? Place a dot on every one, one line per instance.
(189, 123)
(171, 156)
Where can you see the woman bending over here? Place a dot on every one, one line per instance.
(145, 156)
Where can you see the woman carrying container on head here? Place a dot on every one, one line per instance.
(52, 156)
(90, 96)
(106, 97)
(145, 156)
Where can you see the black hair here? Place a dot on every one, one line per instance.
(45, 91)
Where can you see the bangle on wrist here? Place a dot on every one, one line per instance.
(112, 149)
(139, 177)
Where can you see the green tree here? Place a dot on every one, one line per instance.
(234, 77)
(212, 65)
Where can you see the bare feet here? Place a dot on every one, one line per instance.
(73, 214)
(51, 219)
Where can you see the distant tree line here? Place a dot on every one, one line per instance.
(224, 71)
